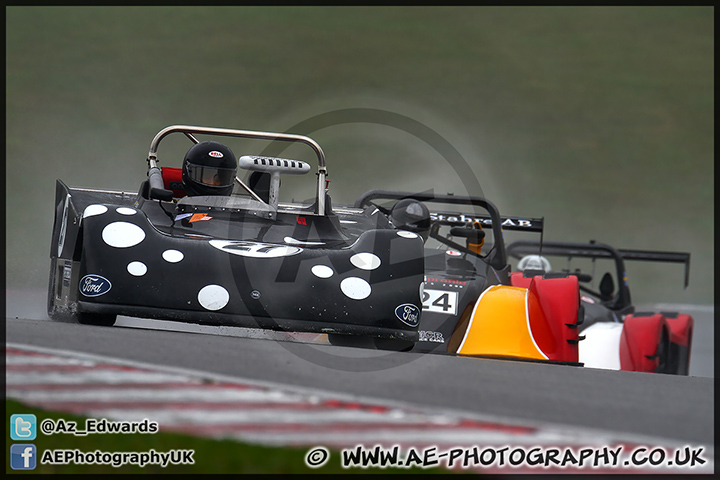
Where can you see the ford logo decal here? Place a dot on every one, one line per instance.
(94, 285)
(408, 314)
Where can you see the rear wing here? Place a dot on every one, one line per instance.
(497, 258)
(597, 250)
(525, 224)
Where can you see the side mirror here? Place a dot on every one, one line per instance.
(607, 287)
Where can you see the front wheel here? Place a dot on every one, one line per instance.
(342, 340)
(393, 344)
(99, 319)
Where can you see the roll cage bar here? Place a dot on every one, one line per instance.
(158, 192)
(497, 258)
(599, 250)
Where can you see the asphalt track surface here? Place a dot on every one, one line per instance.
(665, 406)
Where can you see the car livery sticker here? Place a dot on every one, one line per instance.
(355, 288)
(322, 271)
(431, 336)
(365, 261)
(587, 299)
(183, 215)
(213, 297)
(199, 216)
(126, 211)
(440, 301)
(445, 282)
(122, 234)
(94, 285)
(255, 249)
(408, 314)
(172, 256)
(94, 209)
(137, 269)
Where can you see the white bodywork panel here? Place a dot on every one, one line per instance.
(601, 346)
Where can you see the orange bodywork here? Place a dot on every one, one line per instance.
(534, 323)
(510, 337)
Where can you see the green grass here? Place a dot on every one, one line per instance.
(600, 119)
(210, 456)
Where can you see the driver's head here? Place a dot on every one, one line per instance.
(534, 262)
(412, 215)
(209, 168)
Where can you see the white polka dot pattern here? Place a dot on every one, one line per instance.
(213, 297)
(365, 261)
(137, 269)
(92, 210)
(126, 211)
(173, 256)
(122, 234)
(355, 288)
(322, 271)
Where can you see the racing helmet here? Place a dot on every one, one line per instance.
(209, 168)
(412, 215)
(534, 262)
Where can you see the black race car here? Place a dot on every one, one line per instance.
(242, 259)
(360, 273)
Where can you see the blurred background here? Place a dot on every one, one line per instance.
(599, 119)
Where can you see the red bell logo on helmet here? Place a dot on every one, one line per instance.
(215, 154)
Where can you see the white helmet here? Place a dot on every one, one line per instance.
(534, 262)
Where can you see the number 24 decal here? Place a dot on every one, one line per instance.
(440, 301)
